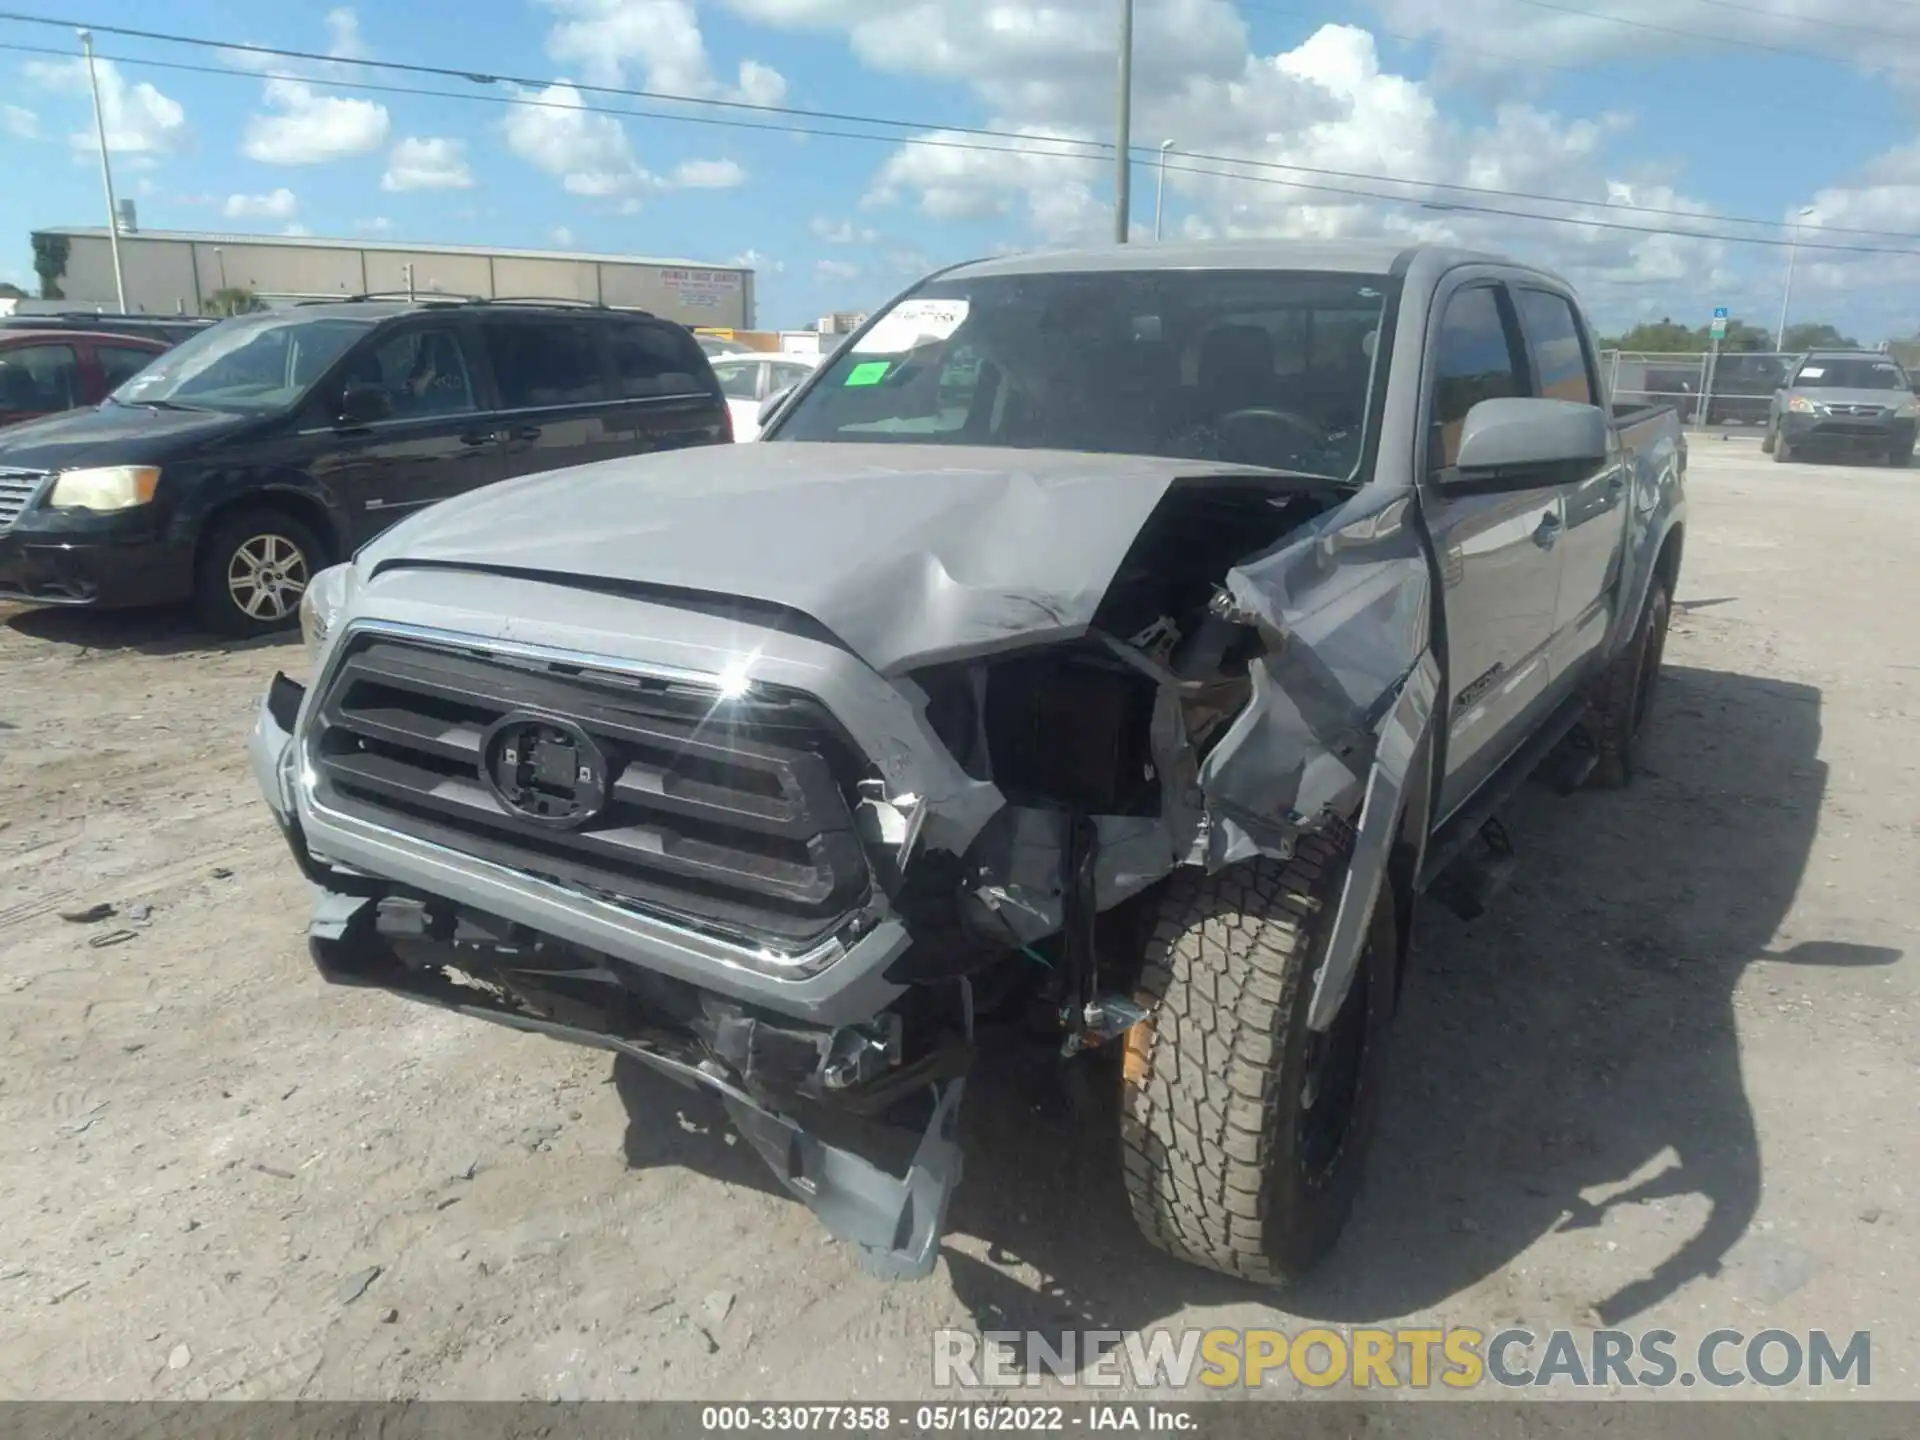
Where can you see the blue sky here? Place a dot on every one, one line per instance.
(1768, 108)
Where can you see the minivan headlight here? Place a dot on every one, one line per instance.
(110, 487)
(1801, 405)
(320, 606)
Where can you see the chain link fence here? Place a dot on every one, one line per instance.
(1730, 389)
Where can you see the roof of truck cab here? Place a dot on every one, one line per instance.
(1356, 257)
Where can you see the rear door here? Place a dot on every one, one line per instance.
(667, 392)
(1593, 507)
(435, 441)
(555, 394)
(38, 379)
(1498, 547)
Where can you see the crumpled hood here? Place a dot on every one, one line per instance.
(907, 553)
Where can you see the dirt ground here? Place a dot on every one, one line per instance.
(1669, 1080)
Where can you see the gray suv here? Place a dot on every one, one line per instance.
(1844, 402)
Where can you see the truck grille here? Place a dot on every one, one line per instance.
(17, 489)
(729, 816)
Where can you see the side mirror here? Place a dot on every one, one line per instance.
(364, 405)
(771, 404)
(1520, 439)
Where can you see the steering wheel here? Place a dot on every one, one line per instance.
(1292, 420)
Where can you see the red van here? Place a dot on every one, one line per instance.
(46, 371)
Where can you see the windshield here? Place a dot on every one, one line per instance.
(245, 364)
(1850, 374)
(1239, 367)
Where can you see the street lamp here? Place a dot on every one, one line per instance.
(1123, 130)
(106, 172)
(1793, 253)
(1160, 190)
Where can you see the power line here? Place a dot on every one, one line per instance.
(1745, 104)
(1026, 149)
(1734, 40)
(446, 72)
(1821, 21)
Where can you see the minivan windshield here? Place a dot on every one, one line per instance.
(1256, 367)
(1850, 374)
(249, 364)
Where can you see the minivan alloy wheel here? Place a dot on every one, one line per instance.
(266, 577)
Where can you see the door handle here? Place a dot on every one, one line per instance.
(1548, 531)
(523, 432)
(479, 437)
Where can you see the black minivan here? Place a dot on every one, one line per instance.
(272, 445)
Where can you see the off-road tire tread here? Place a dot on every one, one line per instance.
(1229, 962)
(1616, 697)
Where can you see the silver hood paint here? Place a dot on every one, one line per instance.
(909, 554)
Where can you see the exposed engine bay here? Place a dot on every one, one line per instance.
(1083, 770)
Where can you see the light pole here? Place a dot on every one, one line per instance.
(1160, 190)
(106, 173)
(1793, 253)
(1123, 128)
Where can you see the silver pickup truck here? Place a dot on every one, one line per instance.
(1106, 649)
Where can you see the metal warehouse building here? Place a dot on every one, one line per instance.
(178, 271)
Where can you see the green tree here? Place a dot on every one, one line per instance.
(50, 254)
(1809, 336)
(234, 300)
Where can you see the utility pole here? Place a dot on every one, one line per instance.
(1123, 128)
(106, 173)
(1793, 254)
(1160, 191)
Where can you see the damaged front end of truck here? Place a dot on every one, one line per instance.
(801, 849)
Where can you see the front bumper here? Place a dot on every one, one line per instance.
(1856, 435)
(893, 1223)
(57, 557)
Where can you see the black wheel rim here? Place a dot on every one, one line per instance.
(1330, 1084)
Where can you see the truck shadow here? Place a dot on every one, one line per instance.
(1579, 1038)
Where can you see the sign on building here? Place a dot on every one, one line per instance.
(702, 289)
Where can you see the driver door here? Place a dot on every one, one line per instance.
(435, 442)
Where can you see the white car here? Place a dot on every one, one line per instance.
(748, 380)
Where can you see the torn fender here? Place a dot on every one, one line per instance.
(1342, 701)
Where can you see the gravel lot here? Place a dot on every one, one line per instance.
(1669, 1080)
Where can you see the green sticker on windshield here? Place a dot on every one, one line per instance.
(868, 372)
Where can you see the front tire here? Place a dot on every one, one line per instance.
(1782, 451)
(1243, 1132)
(251, 571)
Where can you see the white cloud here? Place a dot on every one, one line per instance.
(586, 151)
(835, 270)
(279, 204)
(708, 175)
(19, 123)
(296, 230)
(754, 260)
(343, 34)
(139, 119)
(312, 129)
(375, 225)
(431, 162)
(841, 232)
(611, 42)
(563, 237)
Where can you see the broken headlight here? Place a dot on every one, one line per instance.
(320, 607)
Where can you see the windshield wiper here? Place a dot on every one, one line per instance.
(157, 405)
(1232, 470)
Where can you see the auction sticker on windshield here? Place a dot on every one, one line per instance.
(912, 323)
